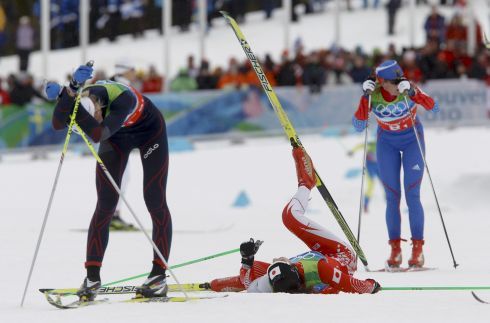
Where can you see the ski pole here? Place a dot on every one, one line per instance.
(361, 200)
(55, 184)
(430, 180)
(190, 262)
(428, 288)
(118, 190)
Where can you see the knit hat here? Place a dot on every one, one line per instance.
(389, 70)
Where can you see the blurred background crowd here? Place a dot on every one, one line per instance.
(444, 54)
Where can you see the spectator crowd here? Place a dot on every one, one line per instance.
(443, 56)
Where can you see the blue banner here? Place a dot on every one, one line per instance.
(219, 112)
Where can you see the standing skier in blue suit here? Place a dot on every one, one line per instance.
(396, 146)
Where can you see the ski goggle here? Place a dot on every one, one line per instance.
(394, 82)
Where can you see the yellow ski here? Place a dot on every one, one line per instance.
(292, 135)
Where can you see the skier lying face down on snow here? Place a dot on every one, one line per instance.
(327, 268)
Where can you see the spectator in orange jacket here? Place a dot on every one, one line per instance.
(231, 78)
(153, 82)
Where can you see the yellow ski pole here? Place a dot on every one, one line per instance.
(55, 184)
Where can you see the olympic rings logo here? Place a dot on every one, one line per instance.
(391, 109)
(307, 256)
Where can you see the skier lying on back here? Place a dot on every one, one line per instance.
(327, 268)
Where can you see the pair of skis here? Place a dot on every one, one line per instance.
(127, 289)
(55, 297)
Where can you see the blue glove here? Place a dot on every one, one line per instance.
(52, 90)
(82, 74)
(436, 108)
(359, 125)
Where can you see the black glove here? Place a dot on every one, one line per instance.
(248, 250)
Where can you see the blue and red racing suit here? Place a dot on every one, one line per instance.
(397, 146)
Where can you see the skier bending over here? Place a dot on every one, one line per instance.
(121, 119)
(327, 268)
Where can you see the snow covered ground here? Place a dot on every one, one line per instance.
(204, 183)
(202, 187)
(367, 28)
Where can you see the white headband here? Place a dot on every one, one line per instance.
(382, 68)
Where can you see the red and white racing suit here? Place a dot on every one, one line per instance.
(335, 271)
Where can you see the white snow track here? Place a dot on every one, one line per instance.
(201, 189)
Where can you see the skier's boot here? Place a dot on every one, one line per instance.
(154, 286)
(89, 289)
(304, 168)
(118, 224)
(417, 259)
(395, 259)
(156, 283)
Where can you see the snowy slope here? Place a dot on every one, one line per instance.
(202, 186)
(367, 28)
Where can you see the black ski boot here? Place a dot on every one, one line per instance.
(155, 286)
(89, 289)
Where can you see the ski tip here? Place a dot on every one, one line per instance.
(478, 298)
(224, 13)
(44, 290)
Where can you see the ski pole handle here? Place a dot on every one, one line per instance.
(79, 77)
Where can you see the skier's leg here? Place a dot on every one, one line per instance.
(413, 167)
(315, 236)
(389, 164)
(115, 158)
(312, 234)
(154, 157)
(413, 170)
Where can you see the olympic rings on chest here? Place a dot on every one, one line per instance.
(397, 109)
